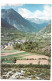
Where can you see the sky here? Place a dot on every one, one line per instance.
(40, 11)
(31, 7)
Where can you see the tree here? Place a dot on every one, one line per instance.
(14, 59)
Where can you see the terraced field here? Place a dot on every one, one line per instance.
(23, 57)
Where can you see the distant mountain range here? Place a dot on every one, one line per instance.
(12, 19)
(39, 23)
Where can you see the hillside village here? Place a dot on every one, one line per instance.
(12, 43)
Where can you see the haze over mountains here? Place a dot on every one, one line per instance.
(11, 18)
(39, 23)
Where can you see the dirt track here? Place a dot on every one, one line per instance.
(5, 54)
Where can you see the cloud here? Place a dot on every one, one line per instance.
(25, 13)
(45, 14)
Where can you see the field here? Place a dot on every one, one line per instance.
(23, 57)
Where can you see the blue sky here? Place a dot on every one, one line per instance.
(41, 11)
(31, 7)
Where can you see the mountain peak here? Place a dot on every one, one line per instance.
(11, 9)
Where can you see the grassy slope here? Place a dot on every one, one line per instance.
(46, 29)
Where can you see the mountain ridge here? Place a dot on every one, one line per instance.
(16, 20)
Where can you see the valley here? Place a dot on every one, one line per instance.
(25, 47)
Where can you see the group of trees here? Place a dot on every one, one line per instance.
(34, 47)
(27, 46)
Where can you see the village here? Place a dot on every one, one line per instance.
(11, 43)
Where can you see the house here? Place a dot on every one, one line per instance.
(2, 46)
(5, 46)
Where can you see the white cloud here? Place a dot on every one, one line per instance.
(25, 13)
(45, 14)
